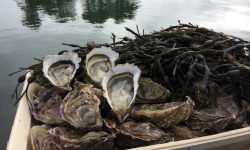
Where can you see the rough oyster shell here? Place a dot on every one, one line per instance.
(183, 133)
(35, 90)
(73, 139)
(120, 86)
(80, 108)
(98, 62)
(164, 115)
(151, 92)
(131, 134)
(60, 69)
(46, 108)
(41, 139)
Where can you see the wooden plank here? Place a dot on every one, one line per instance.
(22, 123)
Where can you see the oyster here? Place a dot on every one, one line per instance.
(73, 139)
(98, 62)
(41, 139)
(183, 132)
(151, 92)
(120, 87)
(35, 90)
(131, 134)
(80, 107)
(209, 119)
(46, 108)
(60, 69)
(164, 115)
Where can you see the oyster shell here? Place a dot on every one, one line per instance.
(46, 108)
(151, 92)
(120, 87)
(80, 108)
(98, 62)
(183, 133)
(73, 139)
(164, 115)
(35, 90)
(60, 69)
(41, 139)
(131, 134)
(209, 119)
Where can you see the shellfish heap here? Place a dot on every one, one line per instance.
(179, 83)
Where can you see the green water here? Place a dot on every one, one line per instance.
(35, 28)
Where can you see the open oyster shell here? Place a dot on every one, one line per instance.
(164, 115)
(98, 62)
(120, 87)
(151, 92)
(41, 139)
(46, 108)
(73, 139)
(80, 108)
(60, 69)
(131, 134)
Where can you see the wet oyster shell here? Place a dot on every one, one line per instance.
(131, 134)
(98, 62)
(120, 87)
(46, 108)
(80, 108)
(209, 119)
(61, 69)
(73, 139)
(151, 92)
(35, 90)
(41, 139)
(164, 115)
(183, 133)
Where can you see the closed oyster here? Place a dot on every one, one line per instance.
(183, 133)
(73, 139)
(209, 119)
(35, 90)
(41, 139)
(98, 62)
(46, 108)
(60, 69)
(151, 92)
(131, 134)
(80, 108)
(164, 115)
(120, 87)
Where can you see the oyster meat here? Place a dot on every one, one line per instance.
(75, 139)
(98, 62)
(41, 139)
(46, 108)
(164, 115)
(120, 86)
(151, 92)
(60, 69)
(80, 108)
(131, 134)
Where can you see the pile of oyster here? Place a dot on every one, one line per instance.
(113, 106)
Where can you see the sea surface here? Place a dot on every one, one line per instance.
(35, 28)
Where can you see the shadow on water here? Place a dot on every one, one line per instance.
(94, 11)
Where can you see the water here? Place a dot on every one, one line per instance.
(35, 28)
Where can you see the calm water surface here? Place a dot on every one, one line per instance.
(35, 28)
